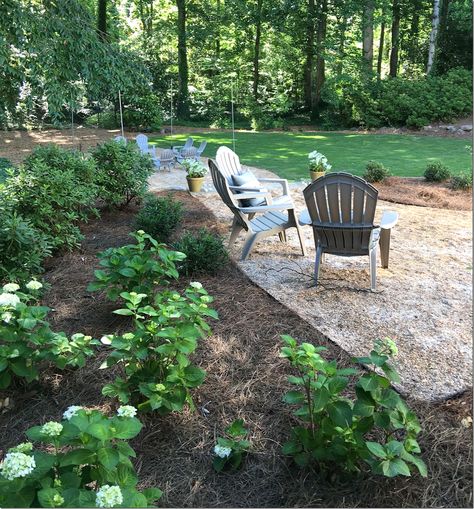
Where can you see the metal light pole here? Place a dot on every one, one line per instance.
(121, 115)
(171, 108)
(232, 113)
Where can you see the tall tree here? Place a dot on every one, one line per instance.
(102, 19)
(320, 76)
(256, 53)
(182, 106)
(309, 55)
(381, 46)
(368, 34)
(433, 36)
(395, 38)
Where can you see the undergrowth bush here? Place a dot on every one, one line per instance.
(463, 182)
(159, 216)
(122, 172)
(82, 461)
(5, 166)
(375, 427)
(230, 450)
(205, 252)
(436, 172)
(28, 341)
(375, 172)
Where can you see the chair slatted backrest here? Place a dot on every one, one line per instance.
(229, 163)
(222, 188)
(142, 142)
(166, 156)
(188, 144)
(342, 210)
(201, 148)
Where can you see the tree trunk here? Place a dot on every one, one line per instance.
(380, 55)
(395, 38)
(414, 31)
(341, 45)
(218, 32)
(182, 106)
(308, 69)
(256, 54)
(102, 19)
(368, 35)
(320, 59)
(433, 36)
(442, 34)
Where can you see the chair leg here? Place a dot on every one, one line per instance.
(373, 268)
(282, 236)
(317, 262)
(384, 247)
(300, 236)
(249, 245)
(236, 229)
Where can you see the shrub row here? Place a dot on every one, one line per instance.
(43, 202)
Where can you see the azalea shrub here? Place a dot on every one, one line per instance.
(155, 356)
(138, 268)
(122, 172)
(27, 339)
(334, 428)
(82, 461)
(230, 450)
(159, 216)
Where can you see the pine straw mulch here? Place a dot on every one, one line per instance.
(245, 379)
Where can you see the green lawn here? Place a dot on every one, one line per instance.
(286, 153)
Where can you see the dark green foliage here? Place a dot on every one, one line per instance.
(462, 181)
(159, 216)
(375, 172)
(54, 191)
(5, 166)
(22, 248)
(122, 172)
(204, 250)
(436, 172)
(144, 114)
(235, 442)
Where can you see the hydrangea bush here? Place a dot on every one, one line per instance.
(83, 461)
(318, 162)
(229, 451)
(194, 169)
(28, 341)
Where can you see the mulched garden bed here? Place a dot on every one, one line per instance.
(245, 379)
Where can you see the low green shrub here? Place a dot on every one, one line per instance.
(139, 267)
(334, 427)
(159, 216)
(82, 461)
(157, 371)
(262, 122)
(463, 182)
(122, 172)
(28, 341)
(54, 190)
(205, 252)
(375, 172)
(22, 248)
(229, 451)
(103, 120)
(436, 172)
(143, 114)
(5, 166)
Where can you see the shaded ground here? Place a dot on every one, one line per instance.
(245, 378)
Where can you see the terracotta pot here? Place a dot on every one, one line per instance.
(316, 174)
(195, 183)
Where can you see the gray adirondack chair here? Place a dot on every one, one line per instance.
(341, 210)
(178, 149)
(201, 149)
(166, 159)
(272, 220)
(120, 139)
(187, 153)
(228, 163)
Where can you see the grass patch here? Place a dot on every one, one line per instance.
(287, 153)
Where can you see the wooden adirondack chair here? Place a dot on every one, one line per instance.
(272, 220)
(166, 159)
(341, 210)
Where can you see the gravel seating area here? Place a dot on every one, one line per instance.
(423, 301)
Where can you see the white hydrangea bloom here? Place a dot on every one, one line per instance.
(71, 412)
(108, 496)
(221, 451)
(11, 287)
(34, 285)
(6, 317)
(52, 429)
(9, 299)
(127, 411)
(23, 447)
(17, 464)
(196, 284)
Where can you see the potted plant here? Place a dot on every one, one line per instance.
(195, 174)
(318, 164)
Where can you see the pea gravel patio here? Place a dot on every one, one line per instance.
(423, 300)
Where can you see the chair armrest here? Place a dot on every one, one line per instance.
(282, 182)
(266, 208)
(389, 219)
(247, 189)
(250, 194)
(304, 218)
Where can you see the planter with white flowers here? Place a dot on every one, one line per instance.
(196, 172)
(318, 165)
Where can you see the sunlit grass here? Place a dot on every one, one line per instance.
(286, 153)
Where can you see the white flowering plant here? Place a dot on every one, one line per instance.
(318, 162)
(157, 372)
(194, 169)
(136, 267)
(86, 463)
(27, 339)
(230, 450)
